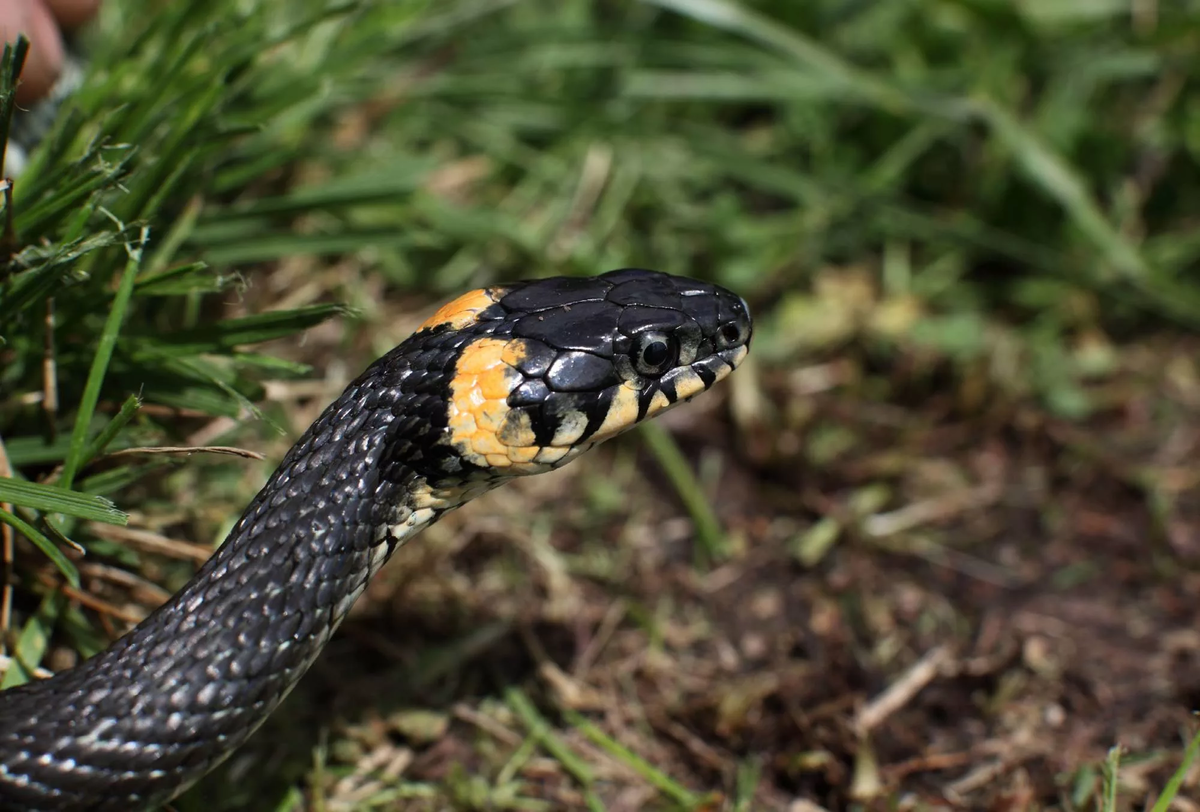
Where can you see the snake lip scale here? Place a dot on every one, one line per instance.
(505, 381)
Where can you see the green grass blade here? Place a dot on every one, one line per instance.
(109, 433)
(806, 51)
(48, 547)
(51, 499)
(11, 64)
(104, 349)
(1171, 790)
(1112, 771)
(1060, 181)
(540, 729)
(710, 537)
(656, 777)
(190, 278)
(229, 334)
(35, 450)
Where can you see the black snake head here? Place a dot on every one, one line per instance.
(543, 370)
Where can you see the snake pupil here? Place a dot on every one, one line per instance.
(655, 354)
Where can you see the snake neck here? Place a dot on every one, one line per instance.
(197, 677)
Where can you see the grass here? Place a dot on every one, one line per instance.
(967, 230)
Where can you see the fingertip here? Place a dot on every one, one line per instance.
(72, 13)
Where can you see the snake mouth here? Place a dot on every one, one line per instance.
(717, 366)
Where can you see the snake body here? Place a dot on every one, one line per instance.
(502, 382)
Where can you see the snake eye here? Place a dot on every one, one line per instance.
(654, 353)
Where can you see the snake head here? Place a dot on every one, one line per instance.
(549, 368)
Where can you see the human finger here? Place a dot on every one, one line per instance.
(72, 13)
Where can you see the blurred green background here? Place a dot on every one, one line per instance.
(935, 546)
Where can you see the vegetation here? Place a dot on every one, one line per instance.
(936, 546)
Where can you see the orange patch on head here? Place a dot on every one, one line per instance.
(483, 429)
(463, 311)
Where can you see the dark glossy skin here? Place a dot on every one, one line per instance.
(502, 382)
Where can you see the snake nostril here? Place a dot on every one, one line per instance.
(730, 333)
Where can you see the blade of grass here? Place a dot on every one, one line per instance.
(11, 64)
(806, 51)
(104, 349)
(48, 272)
(35, 450)
(540, 730)
(380, 183)
(188, 279)
(46, 545)
(51, 499)
(655, 777)
(749, 773)
(1060, 181)
(232, 333)
(710, 537)
(1112, 769)
(1171, 790)
(109, 433)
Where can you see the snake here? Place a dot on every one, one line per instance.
(505, 381)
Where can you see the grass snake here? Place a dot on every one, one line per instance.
(502, 382)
